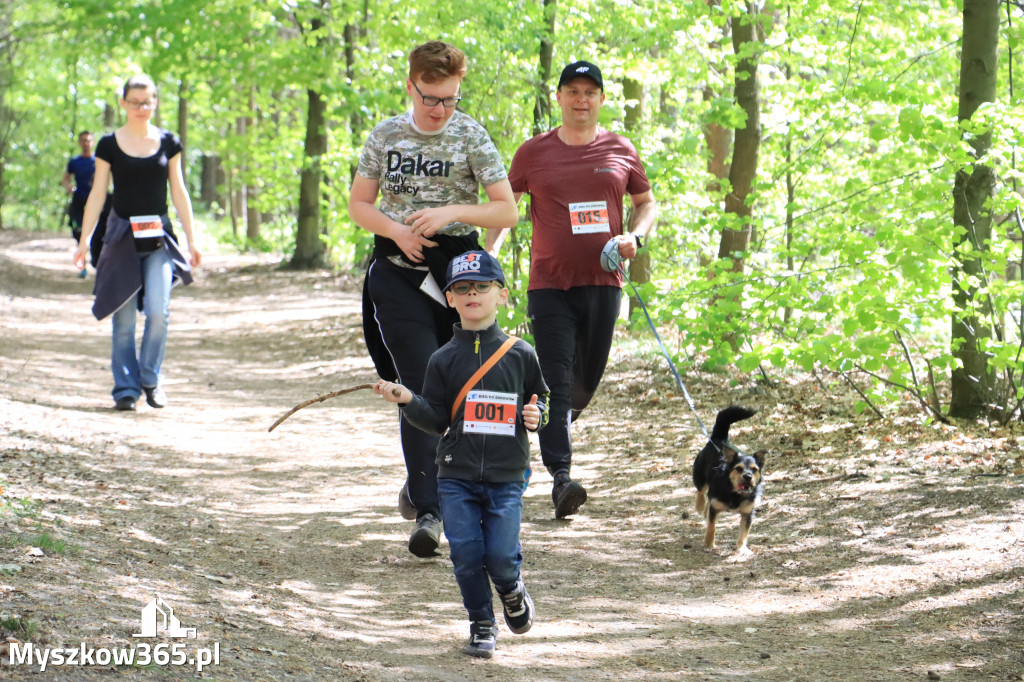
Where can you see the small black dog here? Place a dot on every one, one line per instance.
(727, 479)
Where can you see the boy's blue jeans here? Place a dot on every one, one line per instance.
(481, 521)
(133, 369)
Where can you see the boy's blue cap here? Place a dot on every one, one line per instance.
(474, 266)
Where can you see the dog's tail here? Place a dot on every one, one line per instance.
(727, 418)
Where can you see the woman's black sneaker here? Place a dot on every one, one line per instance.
(155, 396)
(125, 404)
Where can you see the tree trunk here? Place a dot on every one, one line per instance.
(717, 137)
(790, 202)
(743, 170)
(183, 125)
(237, 188)
(640, 266)
(234, 204)
(253, 218)
(790, 198)
(212, 179)
(355, 119)
(72, 97)
(973, 384)
(309, 250)
(542, 106)
(252, 214)
(2, 191)
(7, 122)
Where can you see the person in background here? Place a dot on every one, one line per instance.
(427, 166)
(77, 182)
(576, 176)
(483, 391)
(140, 260)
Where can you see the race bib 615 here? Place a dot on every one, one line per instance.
(588, 217)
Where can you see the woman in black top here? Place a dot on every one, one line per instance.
(140, 257)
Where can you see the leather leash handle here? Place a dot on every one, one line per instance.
(491, 361)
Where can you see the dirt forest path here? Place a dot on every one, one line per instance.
(884, 550)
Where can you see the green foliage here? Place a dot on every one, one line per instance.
(22, 628)
(51, 544)
(849, 278)
(19, 508)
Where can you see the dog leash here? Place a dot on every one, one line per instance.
(611, 261)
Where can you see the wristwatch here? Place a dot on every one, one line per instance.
(639, 240)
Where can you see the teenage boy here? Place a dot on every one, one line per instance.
(482, 392)
(427, 167)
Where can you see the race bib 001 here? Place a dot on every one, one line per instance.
(588, 217)
(145, 226)
(490, 412)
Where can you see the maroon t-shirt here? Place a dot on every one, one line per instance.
(575, 204)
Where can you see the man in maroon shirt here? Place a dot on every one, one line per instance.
(576, 176)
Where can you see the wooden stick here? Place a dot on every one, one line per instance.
(318, 399)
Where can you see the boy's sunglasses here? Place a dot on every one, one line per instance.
(463, 288)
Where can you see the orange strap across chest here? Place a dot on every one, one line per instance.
(491, 361)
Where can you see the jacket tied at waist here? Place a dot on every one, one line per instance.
(119, 271)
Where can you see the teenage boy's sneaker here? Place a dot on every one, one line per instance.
(567, 495)
(483, 638)
(518, 609)
(405, 505)
(425, 539)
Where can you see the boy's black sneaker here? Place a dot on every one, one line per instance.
(425, 540)
(518, 609)
(567, 495)
(483, 638)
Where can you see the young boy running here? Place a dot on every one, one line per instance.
(483, 391)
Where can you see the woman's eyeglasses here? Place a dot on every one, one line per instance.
(133, 104)
(463, 288)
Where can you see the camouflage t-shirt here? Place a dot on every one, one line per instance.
(416, 170)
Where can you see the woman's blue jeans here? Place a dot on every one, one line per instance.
(133, 369)
(481, 521)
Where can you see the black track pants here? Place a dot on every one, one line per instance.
(413, 326)
(572, 331)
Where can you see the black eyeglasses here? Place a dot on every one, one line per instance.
(463, 288)
(147, 105)
(433, 101)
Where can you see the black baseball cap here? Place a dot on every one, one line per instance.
(474, 266)
(581, 69)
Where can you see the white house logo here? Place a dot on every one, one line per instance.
(157, 619)
(158, 614)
